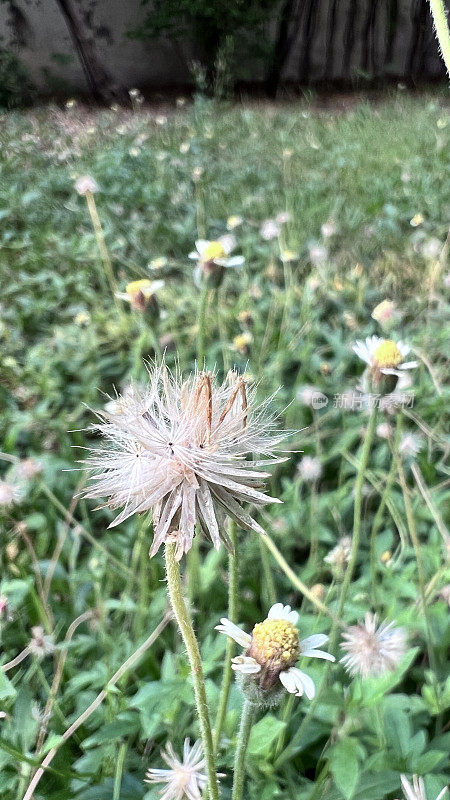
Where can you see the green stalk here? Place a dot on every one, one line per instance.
(119, 771)
(345, 583)
(418, 554)
(241, 749)
(187, 632)
(378, 518)
(201, 319)
(98, 230)
(233, 588)
(442, 32)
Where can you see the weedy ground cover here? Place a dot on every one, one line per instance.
(265, 241)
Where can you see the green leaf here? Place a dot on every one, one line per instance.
(344, 766)
(7, 690)
(264, 734)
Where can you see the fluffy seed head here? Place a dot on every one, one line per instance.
(373, 650)
(310, 469)
(185, 777)
(183, 449)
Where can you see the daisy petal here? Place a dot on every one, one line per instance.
(230, 629)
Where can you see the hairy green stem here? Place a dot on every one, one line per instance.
(119, 771)
(190, 641)
(442, 32)
(241, 749)
(233, 588)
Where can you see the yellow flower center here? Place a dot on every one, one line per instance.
(387, 355)
(135, 287)
(212, 251)
(275, 641)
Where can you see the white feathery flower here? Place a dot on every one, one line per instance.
(310, 469)
(10, 493)
(339, 556)
(40, 644)
(416, 789)
(272, 650)
(269, 230)
(217, 252)
(182, 448)
(373, 650)
(410, 445)
(86, 185)
(384, 430)
(384, 355)
(185, 778)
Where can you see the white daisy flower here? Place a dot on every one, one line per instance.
(185, 778)
(217, 252)
(384, 354)
(373, 650)
(184, 449)
(272, 650)
(416, 790)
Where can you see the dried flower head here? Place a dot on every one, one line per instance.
(384, 430)
(310, 469)
(183, 449)
(338, 557)
(373, 650)
(272, 650)
(40, 644)
(10, 493)
(86, 185)
(185, 778)
(416, 790)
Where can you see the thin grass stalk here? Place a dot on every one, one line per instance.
(190, 641)
(233, 590)
(99, 235)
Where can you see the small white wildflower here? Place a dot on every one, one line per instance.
(373, 650)
(269, 230)
(272, 650)
(40, 644)
(310, 469)
(283, 217)
(416, 789)
(140, 293)
(384, 357)
(86, 185)
(185, 778)
(431, 248)
(217, 252)
(410, 445)
(181, 448)
(10, 493)
(234, 222)
(27, 469)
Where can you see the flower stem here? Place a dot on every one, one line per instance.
(417, 552)
(201, 319)
(187, 632)
(442, 32)
(98, 230)
(119, 771)
(377, 520)
(233, 588)
(241, 749)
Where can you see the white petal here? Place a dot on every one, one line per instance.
(288, 681)
(194, 255)
(407, 788)
(441, 794)
(235, 261)
(230, 629)
(362, 352)
(318, 654)
(316, 640)
(228, 242)
(201, 245)
(404, 348)
(278, 611)
(409, 365)
(303, 682)
(245, 664)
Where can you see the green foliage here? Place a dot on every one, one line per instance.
(15, 86)
(64, 346)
